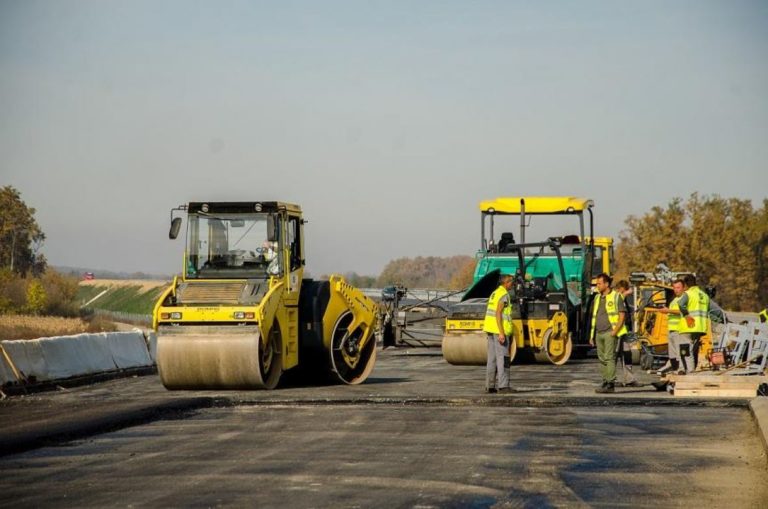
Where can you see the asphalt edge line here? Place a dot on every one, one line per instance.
(22, 389)
(15, 443)
(573, 402)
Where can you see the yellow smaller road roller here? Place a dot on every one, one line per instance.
(552, 281)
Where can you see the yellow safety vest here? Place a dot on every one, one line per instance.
(612, 308)
(763, 315)
(673, 321)
(698, 308)
(489, 325)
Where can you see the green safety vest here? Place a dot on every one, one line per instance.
(489, 325)
(611, 307)
(698, 308)
(673, 321)
(764, 315)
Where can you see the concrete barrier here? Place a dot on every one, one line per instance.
(759, 409)
(6, 372)
(151, 338)
(61, 357)
(67, 356)
(129, 349)
(27, 356)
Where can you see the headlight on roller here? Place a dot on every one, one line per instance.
(242, 315)
(176, 315)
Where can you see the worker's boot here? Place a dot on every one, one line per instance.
(606, 388)
(666, 368)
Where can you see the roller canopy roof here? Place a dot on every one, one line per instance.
(240, 207)
(537, 205)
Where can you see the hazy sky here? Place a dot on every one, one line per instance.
(387, 121)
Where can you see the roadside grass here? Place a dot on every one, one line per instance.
(121, 298)
(32, 327)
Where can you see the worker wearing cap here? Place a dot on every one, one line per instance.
(694, 308)
(498, 327)
(608, 313)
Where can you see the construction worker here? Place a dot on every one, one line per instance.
(498, 327)
(269, 253)
(608, 313)
(623, 347)
(694, 308)
(673, 326)
(763, 315)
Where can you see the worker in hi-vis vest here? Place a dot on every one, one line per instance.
(498, 326)
(674, 318)
(694, 306)
(763, 315)
(608, 313)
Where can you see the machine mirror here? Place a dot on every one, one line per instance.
(175, 227)
(271, 228)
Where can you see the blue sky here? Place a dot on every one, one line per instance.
(387, 121)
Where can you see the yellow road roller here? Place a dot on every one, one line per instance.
(552, 281)
(241, 314)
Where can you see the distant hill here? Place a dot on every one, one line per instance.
(108, 274)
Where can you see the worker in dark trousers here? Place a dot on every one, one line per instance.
(764, 316)
(623, 347)
(608, 312)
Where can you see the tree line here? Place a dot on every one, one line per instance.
(723, 240)
(26, 283)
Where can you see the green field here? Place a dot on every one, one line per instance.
(123, 297)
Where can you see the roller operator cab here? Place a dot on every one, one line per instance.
(241, 314)
(553, 279)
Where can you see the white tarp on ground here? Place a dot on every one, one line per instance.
(129, 349)
(67, 356)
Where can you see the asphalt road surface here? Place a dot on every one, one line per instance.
(420, 433)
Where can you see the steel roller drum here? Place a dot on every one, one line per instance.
(465, 348)
(217, 358)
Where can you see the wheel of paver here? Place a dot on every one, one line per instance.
(556, 350)
(351, 362)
